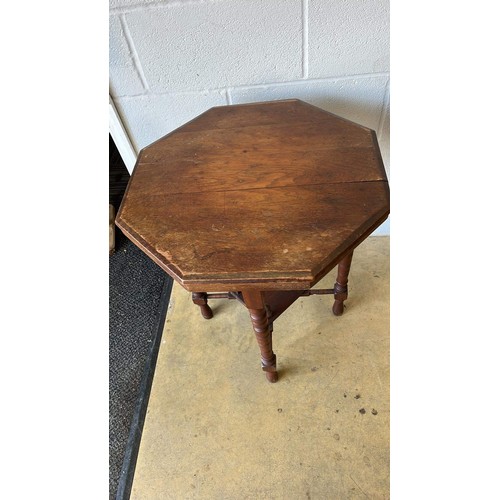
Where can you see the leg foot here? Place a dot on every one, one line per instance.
(263, 333)
(340, 296)
(340, 289)
(200, 299)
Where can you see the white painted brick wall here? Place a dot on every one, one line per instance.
(123, 75)
(170, 60)
(348, 37)
(216, 44)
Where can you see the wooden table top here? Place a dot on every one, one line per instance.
(261, 196)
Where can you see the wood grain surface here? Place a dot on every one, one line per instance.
(262, 196)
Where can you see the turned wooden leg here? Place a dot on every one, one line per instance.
(340, 288)
(263, 332)
(200, 299)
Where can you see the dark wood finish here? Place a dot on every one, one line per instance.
(340, 288)
(265, 198)
(265, 195)
(200, 299)
(263, 332)
(278, 302)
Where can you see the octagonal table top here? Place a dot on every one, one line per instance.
(256, 196)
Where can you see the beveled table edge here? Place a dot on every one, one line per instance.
(295, 281)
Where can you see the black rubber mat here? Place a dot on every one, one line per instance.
(138, 298)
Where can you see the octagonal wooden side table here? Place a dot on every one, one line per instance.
(257, 202)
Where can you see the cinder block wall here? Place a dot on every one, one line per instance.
(172, 60)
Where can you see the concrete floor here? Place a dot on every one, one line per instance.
(216, 429)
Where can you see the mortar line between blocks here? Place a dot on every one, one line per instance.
(247, 86)
(229, 99)
(133, 52)
(305, 38)
(161, 4)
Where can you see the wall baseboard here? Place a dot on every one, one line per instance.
(121, 138)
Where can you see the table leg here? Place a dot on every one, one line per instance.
(263, 332)
(200, 299)
(340, 288)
